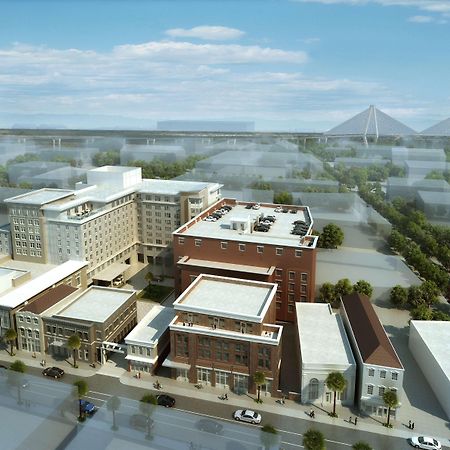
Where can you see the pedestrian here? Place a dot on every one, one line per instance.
(356, 421)
(311, 413)
(410, 425)
(350, 420)
(413, 425)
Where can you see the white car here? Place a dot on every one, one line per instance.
(278, 209)
(247, 415)
(427, 443)
(210, 219)
(256, 206)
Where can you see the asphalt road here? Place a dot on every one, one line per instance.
(291, 429)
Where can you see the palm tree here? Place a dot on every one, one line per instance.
(147, 406)
(269, 436)
(313, 440)
(390, 399)
(10, 336)
(336, 382)
(260, 379)
(113, 404)
(82, 390)
(74, 344)
(361, 445)
(16, 378)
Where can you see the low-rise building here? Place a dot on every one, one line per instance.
(379, 367)
(100, 316)
(224, 332)
(324, 348)
(148, 342)
(429, 344)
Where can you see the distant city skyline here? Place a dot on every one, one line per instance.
(287, 65)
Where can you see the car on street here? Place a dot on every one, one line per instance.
(88, 407)
(210, 426)
(427, 443)
(165, 400)
(141, 422)
(247, 415)
(54, 372)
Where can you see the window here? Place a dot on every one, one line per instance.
(260, 248)
(278, 251)
(303, 288)
(291, 298)
(298, 253)
(264, 357)
(279, 273)
(241, 354)
(204, 347)
(291, 286)
(371, 372)
(242, 247)
(394, 375)
(314, 389)
(291, 308)
(370, 389)
(222, 351)
(304, 278)
(223, 245)
(381, 390)
(197, 242)
(382, 374)
(278, 305)
(291, 275)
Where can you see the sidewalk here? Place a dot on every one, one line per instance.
(271, 405)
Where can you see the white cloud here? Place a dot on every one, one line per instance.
(207, 32)
(421, 19)
(436, 6)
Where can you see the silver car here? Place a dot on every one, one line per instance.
(247, 415)
(427, 443)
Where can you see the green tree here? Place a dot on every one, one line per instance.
(331, 237)
(74, 344)
(269, 436)
(109, 158)
(343, 287)
(430, 292)
(361, 445)
(327, 293)
(113, 404)
(283, 198)
(82, 389)
(363, 287)
(10, 336)
(421, 312)
(259, 379)
(16, 378)
(147, 405)
(313, 440)
(415, 298)
(336, 382)
(390, 399)
(440, 315)
(399, 296)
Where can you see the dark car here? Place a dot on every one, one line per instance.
(87, 407)
(165, 400)
(141, 422)
(210, 426)
(54, 372)
(249, 206)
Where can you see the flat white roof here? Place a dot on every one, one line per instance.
(322, 336)
(436, 336)
(34, 287)
(279, 233)
(186, 261)
(152, 326)
(171, 187)
(227, 297)
(40, 196)
(95, 304)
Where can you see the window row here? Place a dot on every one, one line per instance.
(383, 374)
(381, 390)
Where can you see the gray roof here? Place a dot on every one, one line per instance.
(434, 198)
(440, 129)
(371, 122)
(40, 196)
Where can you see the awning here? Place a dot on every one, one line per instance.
(142, 359)
(111, 272)
(175, 365)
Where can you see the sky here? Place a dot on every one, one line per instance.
(287, 65)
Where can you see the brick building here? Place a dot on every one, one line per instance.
(235, 245)
(223, 332)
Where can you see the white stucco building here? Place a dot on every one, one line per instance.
(429, 342)
(324, 348)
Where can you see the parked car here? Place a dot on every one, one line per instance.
(165, 400)
(278, 209)
(425, 442)
(249, 206)
(247, 415)
(54, 372)
(256, 206)
(141, 422)
(87, 407)
(209, 426)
